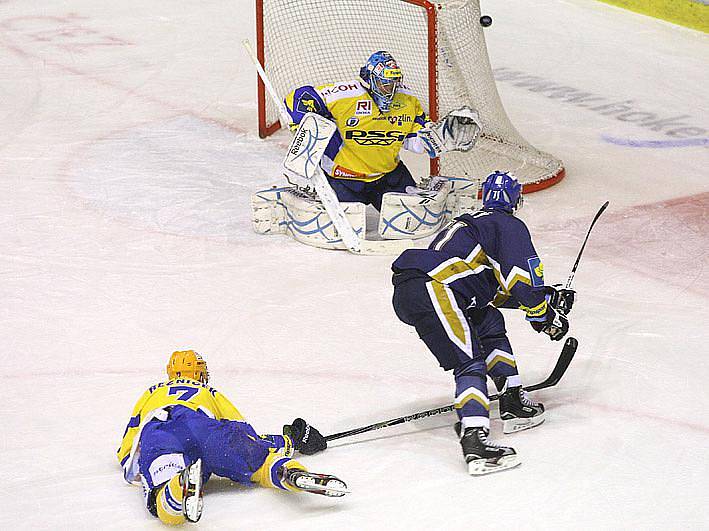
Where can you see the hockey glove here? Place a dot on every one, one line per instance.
(457, 131)
(560, 299)
(306, 439)
(555, 324)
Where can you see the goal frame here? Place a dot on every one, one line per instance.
(265, 129)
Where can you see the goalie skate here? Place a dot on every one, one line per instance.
(316, 483)
(192, 501)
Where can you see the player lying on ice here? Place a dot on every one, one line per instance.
(182, 431)
(450, 293)
(376, 115)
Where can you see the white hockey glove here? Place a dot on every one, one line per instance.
(457, 131)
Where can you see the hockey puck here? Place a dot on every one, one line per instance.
(486, 21)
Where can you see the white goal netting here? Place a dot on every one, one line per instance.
(440, 48)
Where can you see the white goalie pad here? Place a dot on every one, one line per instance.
(307, 148)
(465, 196)
(287, 210)
(302, 165)
(416, 214)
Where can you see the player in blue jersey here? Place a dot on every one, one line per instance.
(450, 293)
(376, 115)
(182, 430)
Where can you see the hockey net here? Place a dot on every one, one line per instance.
(441, 50)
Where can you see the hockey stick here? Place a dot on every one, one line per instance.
(567, 354)
(578, 258)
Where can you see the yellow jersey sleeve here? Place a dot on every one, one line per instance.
(132, 429)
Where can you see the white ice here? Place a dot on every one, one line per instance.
(128, 153)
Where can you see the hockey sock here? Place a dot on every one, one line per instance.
(501, 366)
(169, 502)
(471, 402)
(269, 473)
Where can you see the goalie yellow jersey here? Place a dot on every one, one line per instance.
(180, 391)
(367, 143)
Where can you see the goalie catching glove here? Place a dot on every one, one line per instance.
(306, 439)
(457, 131)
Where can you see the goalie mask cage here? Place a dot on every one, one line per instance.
(441, 50)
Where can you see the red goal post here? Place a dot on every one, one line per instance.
(441, 49)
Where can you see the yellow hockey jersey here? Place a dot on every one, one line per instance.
(368, 142)
(180, 391)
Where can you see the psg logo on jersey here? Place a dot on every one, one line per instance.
(375, 138)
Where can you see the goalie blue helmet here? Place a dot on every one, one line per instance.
(382, 77)
(502, 191)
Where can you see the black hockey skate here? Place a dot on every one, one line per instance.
(519, 412)
(314, 483)
(192, 502)
(483, 456)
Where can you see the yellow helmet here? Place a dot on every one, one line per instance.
(187, 364)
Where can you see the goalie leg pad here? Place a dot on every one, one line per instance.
(268, 215)
(464, 196)
(290, 211)
(414, 215)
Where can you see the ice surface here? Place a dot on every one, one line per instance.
(127, 157)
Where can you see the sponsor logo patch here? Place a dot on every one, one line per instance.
(536, 271)
(363, 108)
(347, 174)
(307, 103)
(375, 138)
(399, 119)
(352, 121)
(339, 88)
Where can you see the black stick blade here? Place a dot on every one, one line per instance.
(567, 354)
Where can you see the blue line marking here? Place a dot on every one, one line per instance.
(629, 142)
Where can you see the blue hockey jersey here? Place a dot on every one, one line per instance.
(486, 256)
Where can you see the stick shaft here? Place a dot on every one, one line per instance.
(578, 258)
(285, 117)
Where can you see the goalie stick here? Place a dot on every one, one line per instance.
(567, 354)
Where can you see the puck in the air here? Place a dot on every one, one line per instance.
(486, 21)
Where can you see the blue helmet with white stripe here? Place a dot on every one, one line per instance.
(381, 76)
(502, 191)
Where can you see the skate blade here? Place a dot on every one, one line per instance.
(519, 424)
(192, 502)
(480, 467)
(332, 487)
